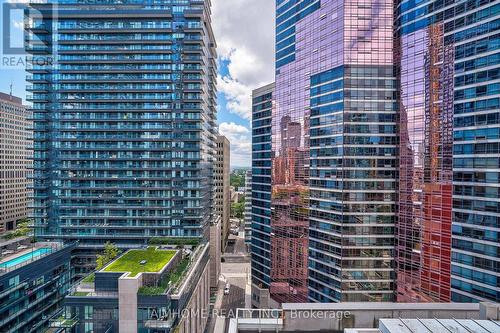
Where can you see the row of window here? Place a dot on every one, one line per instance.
(477, 148)
(475, 289)
(469, 49)
(477, 205)
(481, 234)
(352, 184)
(477, 134)
(480, 91)
(347, 151)
(477, 106)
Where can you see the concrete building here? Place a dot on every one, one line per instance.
(215, 252)
(369, 317)
(14, 162)
(165, 290)
(222, 184)
(124, 115)
(34, 278)
(247, 213)
(235, 195)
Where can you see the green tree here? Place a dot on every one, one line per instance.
(110, 253)
(237, 209)
(237, 180)
(22, 229)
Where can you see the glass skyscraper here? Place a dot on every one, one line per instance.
(334, 152)
(384, 157)
(449, 212)
(260, 246)
(124, 111)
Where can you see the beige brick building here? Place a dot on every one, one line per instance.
(222, 198)
(14, 162)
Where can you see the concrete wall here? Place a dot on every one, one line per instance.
(195, 315)
(127, 303)
(221, 179)
(336, 317)
(215, 253)
(261, 298)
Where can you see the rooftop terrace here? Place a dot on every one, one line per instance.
(150, 260)
(17, 255)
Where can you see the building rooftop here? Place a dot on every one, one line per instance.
(19, 254)
(160, 270)
(370, 317)
(9, 98)
(438, 326)
(139, 261)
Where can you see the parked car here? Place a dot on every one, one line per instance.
(226, 289)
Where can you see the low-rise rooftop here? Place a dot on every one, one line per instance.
(150, 260)
(18, 255)
(399, 325)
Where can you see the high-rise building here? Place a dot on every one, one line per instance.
(124, 115)
(14, 162)
(247, 213)
(340, 176)
(260, 246)
(334, 153)
(222, 186)
(449, 211)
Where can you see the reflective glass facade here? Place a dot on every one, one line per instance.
(334, 147)
(448, 63)
(124, 118)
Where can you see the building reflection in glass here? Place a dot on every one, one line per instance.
(425, 190)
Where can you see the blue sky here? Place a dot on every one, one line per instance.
(244, 30)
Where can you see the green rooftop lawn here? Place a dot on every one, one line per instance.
(130, 261)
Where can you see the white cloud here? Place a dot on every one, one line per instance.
(241, 143)
(237, 96)
(244, 30)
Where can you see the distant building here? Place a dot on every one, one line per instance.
(215, 251)
(247, 214)
(34, 278)
(14, 162)
(222, 183)
(170, 294)
(235, 195)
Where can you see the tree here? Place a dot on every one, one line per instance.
(23, 228)
(237, 180)
(110, 253)
(237, 209)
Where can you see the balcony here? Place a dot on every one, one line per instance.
(37, 27)
(37, 88)
(38, 48)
